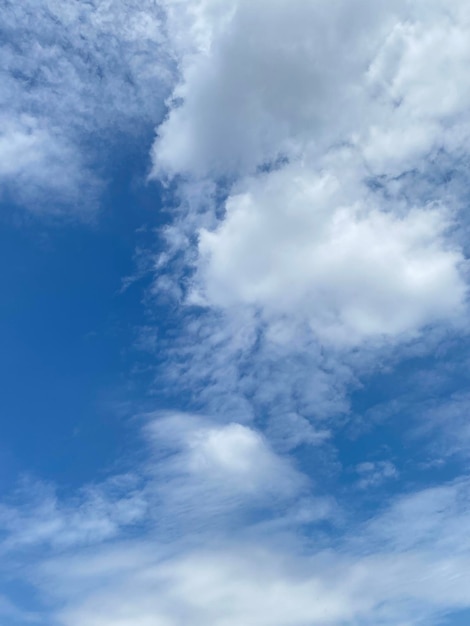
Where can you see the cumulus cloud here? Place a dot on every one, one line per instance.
(315, 248)
(200, 479)
(325, 127)
(319, 151)
(247, 96)
(253, 586)
(262, 80)
(406, 562)
(418, 75)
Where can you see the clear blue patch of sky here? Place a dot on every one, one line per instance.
(66, 332)
(459, 618)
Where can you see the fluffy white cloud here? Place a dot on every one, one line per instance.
(259, 80)
(262, 80)
(419, 77)
(319, 123)
(318, 249)
(328, 121)
(230, 467)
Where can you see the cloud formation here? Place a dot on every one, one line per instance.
(326, 135)
(315, 248)
(407, 564)
(258, 81)
(75, 77)
(317, 152)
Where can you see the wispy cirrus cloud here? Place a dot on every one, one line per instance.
(407, 563)
(37, 517)
(75, 77)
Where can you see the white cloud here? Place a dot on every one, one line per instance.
(259, 79)
(236, 369)
(419, 74)
(289, 430)
(197, 473)
(43, 170)
(433, 520)
(318, 249)
(375, 473)
(230, 467)
(37, 517)
(408, 565)
(327, 121)
(75, 78)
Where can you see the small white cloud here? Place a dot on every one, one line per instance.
(289, 430)
(38, 518)
(228, 465)
(374, 474)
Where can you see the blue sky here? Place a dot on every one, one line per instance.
(233, 325)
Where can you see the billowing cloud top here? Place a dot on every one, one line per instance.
(334, 122)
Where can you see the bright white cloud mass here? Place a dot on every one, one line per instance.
(312, 273)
